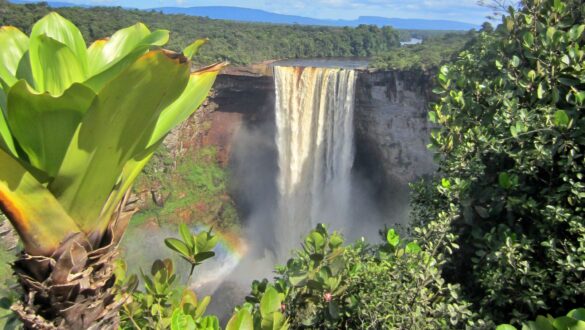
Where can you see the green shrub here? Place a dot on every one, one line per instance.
(164, 303)
(266, 313)
(400, 286)
(575, 320)
(510, 143)
(395, 285)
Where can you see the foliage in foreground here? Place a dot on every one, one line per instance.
(327, 285)
(164, 303)
(510, 142)
(574, 320)
(73, 138)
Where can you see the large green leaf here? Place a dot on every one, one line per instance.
(54, 65)
(270, 303)
(24, 70)
(131, 170)
(95, 56)
(115, 66)
(193, 48)
(34, 212)
(13, 45)
(181, 321)
(6, 141)
(106, 52)
(58, 28)
(123, 114)
(241, 321)
(43, 124)
(100, 80)
(196, 92)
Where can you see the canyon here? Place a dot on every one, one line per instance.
(238, 121)
(235, 134)
(390, 126)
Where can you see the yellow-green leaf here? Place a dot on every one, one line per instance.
(270, 302)
(561, 119)
(131, 170)
(242, 320)
(24, 70)
(13, 45)
(106, 52)
(95, 56)
(100, 80)
(44, 124)
(6, 141)
(193, 96)
(54, 65)
(112, 63)
(62, 30)
(112, 131)
(177, 246)
(202, 307)
(34, 212)
(193, 48)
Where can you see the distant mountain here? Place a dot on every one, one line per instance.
(261, 16)
(255, 15)
(54, 4)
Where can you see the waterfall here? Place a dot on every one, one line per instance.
(314, 119)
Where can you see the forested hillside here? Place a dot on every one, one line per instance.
(432, 53)
(239, 43)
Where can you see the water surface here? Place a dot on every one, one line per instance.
(327, 62)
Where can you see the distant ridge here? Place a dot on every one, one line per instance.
(54, 4)
(261, 16)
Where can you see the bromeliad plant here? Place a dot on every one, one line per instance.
(77, 125)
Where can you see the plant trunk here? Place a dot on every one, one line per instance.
(74, 288)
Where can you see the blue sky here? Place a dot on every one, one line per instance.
(459, 10)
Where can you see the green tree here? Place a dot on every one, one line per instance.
(510, 141)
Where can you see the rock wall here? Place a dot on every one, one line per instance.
(391, 126)
(390, 121)
(237, 100)
(391, 132)
(241, 96)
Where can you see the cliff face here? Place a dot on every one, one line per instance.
(238, 122)
(238, 99)
(391, 135)
(391, 125)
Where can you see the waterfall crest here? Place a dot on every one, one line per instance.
(315, 140)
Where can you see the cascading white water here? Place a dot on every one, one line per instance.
(314, 119)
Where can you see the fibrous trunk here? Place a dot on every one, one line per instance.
(74, 288)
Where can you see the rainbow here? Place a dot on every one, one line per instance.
(230, 250)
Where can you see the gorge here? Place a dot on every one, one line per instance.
(384, 139)
(363, 137)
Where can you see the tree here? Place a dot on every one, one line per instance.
(77, 125)
(498, 7)
(510, 141)
(487, 27)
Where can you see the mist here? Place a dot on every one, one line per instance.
(354, 198)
